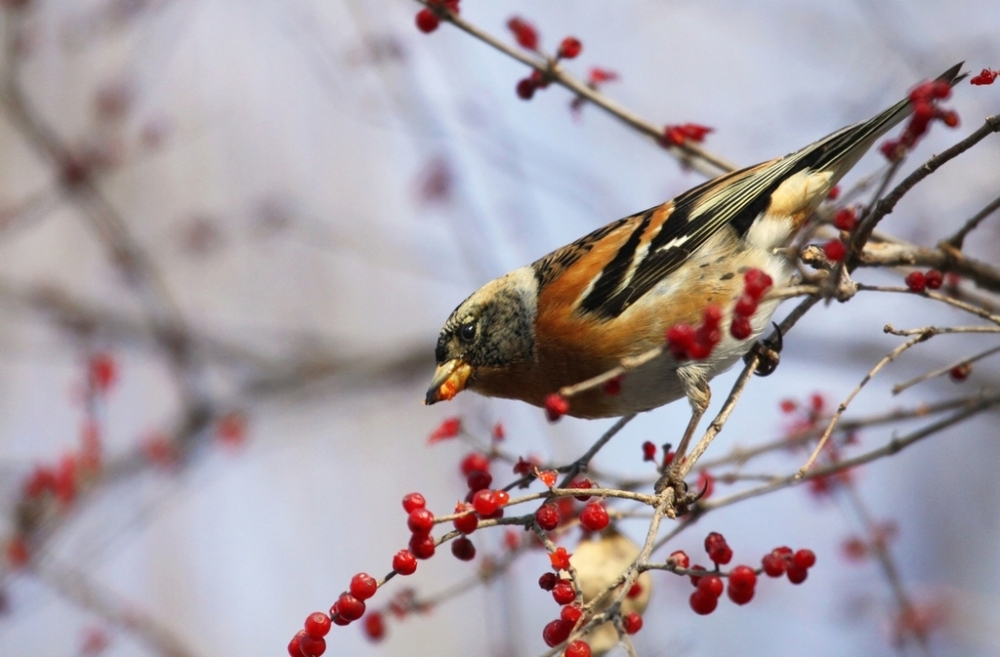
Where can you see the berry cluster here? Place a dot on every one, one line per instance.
(686, 342)
(755, 284)
(924, 99)
(429, 18)
(795, 565)
(919, 281)
(742, 579)
(678, 135)
(349, 607)
(986, 76)
(527, 37)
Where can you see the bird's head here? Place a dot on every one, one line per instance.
(488, 336)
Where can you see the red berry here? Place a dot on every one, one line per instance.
(563, 592)
(746, 306)
(478, 480)
(547, 516)
(711, 585)
(711, 316)
(613, 386)
(740, 596)
(468, 522)
(960, 372)
(571, 613)
(835, 250)
(526, 88)
(547, 477)
(556, 632)
(834, 193)
(680, 340)
(414, 501)
(680, 559)
(374, 626)
(485, 502)
(577, 649)
(703, 604)
(427, 21)
(845, 219)
(547, 581)
(348, 607)
(339, 621)
(556, 406)
(949, 118)
(420, 521)
(103, 371)
(463, 549)
(756, 283)
(916, 281)
(696, 578)
(502, 498)
(363, 586)
(631, 622)
(474, 461)
(773, 565)
(717, 548)
(594, 516)
(317, 625)
(985, 77)
(742, 577)
(404, 563)
(740, 328)
(524, 32)
(934, 279)
(310, 646)
(422, 546)
(570, 47)
(582, 483)
(294, 646)
(797, 575)
(804, 559)
(648, 451)
(559, 558)
(447, 429)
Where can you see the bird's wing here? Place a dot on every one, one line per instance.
(608, 270)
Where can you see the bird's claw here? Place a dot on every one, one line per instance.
(768, 353)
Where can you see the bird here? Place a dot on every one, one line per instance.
(613, 294)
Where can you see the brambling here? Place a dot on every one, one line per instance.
(613, 294)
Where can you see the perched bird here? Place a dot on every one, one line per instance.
(578, 311)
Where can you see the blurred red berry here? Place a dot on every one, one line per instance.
(986, 76)
(577, 649)
(427, 21)
(916, 281)
(555, 406)
(804, 559)
(449, 428)
(547, 581)
(711, 585)
(961, 372)
(556, 632)
(740, 328)
(374, 626)
(570, 47)
(835, 250)
(560, 558)
(631, 622)
(463, 549)
(472, 462)
(845, 219)
(680, 559)
(524, 33)
(933, 279)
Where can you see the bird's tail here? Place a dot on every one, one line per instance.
(840, 151)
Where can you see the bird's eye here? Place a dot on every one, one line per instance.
(467, 332)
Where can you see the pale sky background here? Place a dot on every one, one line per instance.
(300, 131)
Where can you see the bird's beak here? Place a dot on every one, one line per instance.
(449, 380)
